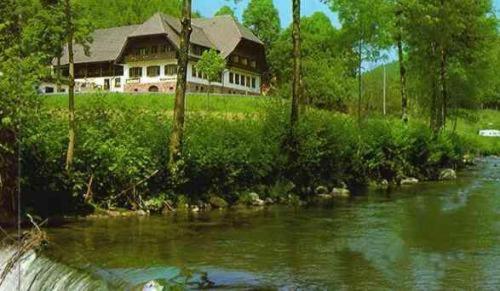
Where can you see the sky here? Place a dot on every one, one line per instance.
(207, 8)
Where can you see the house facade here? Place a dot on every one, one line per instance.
(143, 58)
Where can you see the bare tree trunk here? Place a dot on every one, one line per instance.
(402, 82)
(296, 91)
(176, 136)
(58, 74)
(444, 91)
(71, 92)
(360, 76)
(402, 67)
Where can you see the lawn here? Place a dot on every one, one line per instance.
(162, 102)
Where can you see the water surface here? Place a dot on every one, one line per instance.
(442, 235)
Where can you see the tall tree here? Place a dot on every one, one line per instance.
(262, 17)
(365, 23)
(296, 86)
(226, 10)
(176, 136)
(398, 28)
(77, 30)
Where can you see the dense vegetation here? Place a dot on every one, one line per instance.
(446, 69)
(232, 147)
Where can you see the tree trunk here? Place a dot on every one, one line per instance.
(71, 92)
(58, 74)
(444, 91)
(176, 136)
(360, 76)
(296, 91)
(402, 67)
(9, 186)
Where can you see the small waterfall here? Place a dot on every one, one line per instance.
(39, 273)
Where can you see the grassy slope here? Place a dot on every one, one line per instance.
(486, 119)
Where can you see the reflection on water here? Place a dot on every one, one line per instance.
(428, 236)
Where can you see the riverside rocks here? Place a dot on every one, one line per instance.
(447, 174)
(255, 199)
(217, 202)
(409, 181)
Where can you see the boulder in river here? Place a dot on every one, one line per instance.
(269, 201)
(321, 190)
(255, 199)
(340, 193)
(447, 174)
(409, 181)
(152, 286)
(217, 202)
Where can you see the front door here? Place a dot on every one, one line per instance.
(106, 84)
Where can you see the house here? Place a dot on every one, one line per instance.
(143, 58)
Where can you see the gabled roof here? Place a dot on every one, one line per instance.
(221, 33)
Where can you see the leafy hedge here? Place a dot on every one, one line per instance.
(124, 149)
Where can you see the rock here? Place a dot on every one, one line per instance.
(141, 213)
(152, 286)
(341, 193)
(217, 202)
(269, 201)
(255, 199)
(194, 208)
(321, 190)
(409, 181)
(447, 174)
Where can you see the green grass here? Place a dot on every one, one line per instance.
(162, 102)
(469, 128)
(248, 105)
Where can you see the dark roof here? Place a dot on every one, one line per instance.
(222, 33)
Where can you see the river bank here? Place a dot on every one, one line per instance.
(431, 235)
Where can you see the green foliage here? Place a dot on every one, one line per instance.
(211, 64)
(262, 17)
(121, 144)
(226, 10)
(327, 80)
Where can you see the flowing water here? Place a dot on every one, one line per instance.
(442, 235)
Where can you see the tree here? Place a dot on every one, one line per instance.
(211, 64)
(263, 20)
(226, 10)
(77, 30)
(446, 41)
(176, 136)
(19, 72)
(296, 86)
(365, 24)
(326, 63)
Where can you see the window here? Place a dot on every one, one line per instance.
(231, 78)
(154, 49)
(244, 61)
(193, 72)
(237, 79)
(236, 59)
(143, 51)
(253, 64)
(248, 81)
(153, 71)
(118, 83)
(170, 70)
(163, 48)
(254, 83)
(200, 75)
(135, 72)
(242, 80)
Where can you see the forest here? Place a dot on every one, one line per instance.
(399, 90)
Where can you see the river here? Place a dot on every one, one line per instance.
(435, 235)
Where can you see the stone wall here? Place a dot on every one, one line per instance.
(169, 87)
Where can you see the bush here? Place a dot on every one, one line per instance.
(123, 149)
